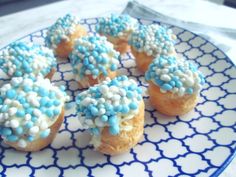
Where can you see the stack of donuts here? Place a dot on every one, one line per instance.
(111, 107)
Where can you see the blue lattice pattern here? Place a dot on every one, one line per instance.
(196, 144)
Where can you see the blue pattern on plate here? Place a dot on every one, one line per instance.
(200, 143)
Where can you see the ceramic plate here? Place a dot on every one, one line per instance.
(200, 143)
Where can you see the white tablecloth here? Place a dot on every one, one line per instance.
(16, 25)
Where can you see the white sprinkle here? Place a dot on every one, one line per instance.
(14, 123)
(22, 143)
(7, 101)
(102, 111)
(98, 122)
(165, 77)
(189, 82)
(34, 130)
(181, 91)
(27, 117)
(12, 111)
(104, 89)
(43, 125)
(37, 112)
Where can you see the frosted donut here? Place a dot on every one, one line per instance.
(113, 111)
(93, 59)
(62, 35)
(174, 85)
(149, 41)
(117, 28)
(31, 112)
(27, 58)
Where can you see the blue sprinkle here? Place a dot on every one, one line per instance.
(29, 110)
(166, 87)
(6, 131)
(34, 119)
(52, 95)
(49, 113)
(125, 109)
(62, 88)
(112, 120)
(11, 94)
(94, 111)
(133, 105)
(4, 108)
(26, 105)
(95, 72)
(20, 113)
(118, 108)
(129, 94)
(95, 131)
(114, 130)
(43, 101)
(27, 88)
(12, 138)
(104, 118)
(113, 67)
(56, 112)
(45, 133)
(56, 102)
(189, 91)
(42, 92)
(49, 104)
(19, 130)
(178, 84)
(29, 124)
(30, 138)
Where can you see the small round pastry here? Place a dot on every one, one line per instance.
(149, 41)
(62, 35)
(113, 111)
(117, 28)
(31, 112)
(93, 59)
(27, 58)
(174, 85)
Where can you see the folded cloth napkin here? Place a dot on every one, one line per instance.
(224, 38)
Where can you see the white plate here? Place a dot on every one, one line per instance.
(200, 143)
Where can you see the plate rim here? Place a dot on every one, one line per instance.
(228, 160)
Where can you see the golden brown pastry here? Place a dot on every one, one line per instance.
(27, 59)
(149, 41)
(61, 36)
(174, 85)
(113, 111)
(31, 112)
(93, 59)
(117, 29)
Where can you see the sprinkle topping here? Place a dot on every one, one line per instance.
(153, 40)
(93, 55)
(28, 107)
(116, 25)
(60, 30)
(109, 104)
(26, 58)
(175, 75)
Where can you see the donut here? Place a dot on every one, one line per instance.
(174, 85)
(93, 59)
(27, 58)
(150, 41)
(113, 112)
(62, 35)
(31, 112)
(117, 28)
